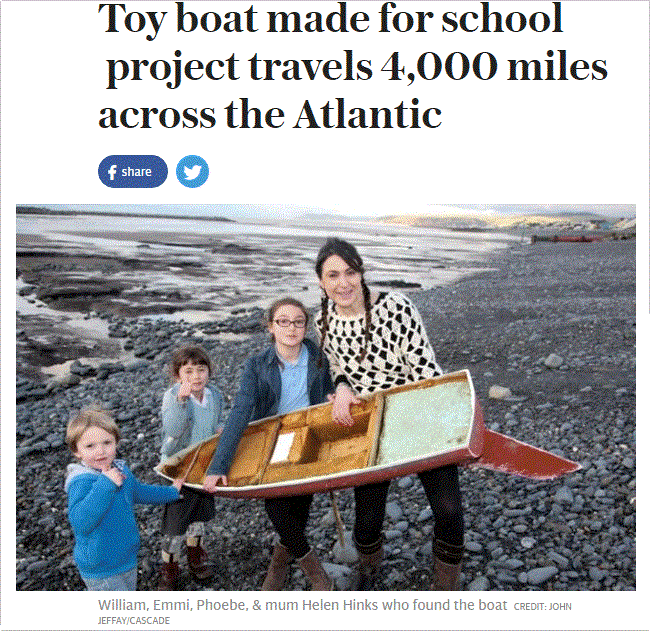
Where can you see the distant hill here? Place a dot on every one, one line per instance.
(472, 221)
(37, 210)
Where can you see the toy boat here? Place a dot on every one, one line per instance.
(398, 431)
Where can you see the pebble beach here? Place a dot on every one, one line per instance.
(552, 324)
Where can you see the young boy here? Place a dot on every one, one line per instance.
(101, 494)
(191, 412)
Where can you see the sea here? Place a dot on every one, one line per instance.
(248, 263)
(224, 266)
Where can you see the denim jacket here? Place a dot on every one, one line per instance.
(259, 396)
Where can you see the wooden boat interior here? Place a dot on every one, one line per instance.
(399, 424)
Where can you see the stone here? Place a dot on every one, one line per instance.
(537, 576)
(499, 392)
(553, 361)
(394, 511)
(479, 584)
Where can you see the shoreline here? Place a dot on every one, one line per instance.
(573, 301)
(73, 283)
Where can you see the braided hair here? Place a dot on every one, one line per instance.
(349, 254)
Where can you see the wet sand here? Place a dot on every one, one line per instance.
(74, 271)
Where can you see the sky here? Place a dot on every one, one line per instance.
(357, 209)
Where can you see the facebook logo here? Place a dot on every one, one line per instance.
(132, 171)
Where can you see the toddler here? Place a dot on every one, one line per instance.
(101, 494)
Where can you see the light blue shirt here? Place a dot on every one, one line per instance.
(293, 379)
(204, 413)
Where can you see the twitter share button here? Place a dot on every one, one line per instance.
(192, 171)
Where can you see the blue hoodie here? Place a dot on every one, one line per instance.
(103, 520)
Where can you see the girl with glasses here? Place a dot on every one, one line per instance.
(283, 378)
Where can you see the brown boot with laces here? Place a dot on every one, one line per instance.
(168, 573)
(197, 561)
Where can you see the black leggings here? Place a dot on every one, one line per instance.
(289, 516)
(443, 492)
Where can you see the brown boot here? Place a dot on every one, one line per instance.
(446, 565)
(367, 572)
(315, 573)
(278, 568)
(197, 561)
(168, 573)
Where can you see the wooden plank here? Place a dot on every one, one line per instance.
(376, 420)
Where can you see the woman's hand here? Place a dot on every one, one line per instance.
(343, 399)
(212, 481)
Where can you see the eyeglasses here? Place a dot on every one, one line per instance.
(285, 322)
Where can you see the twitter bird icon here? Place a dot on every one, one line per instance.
(192, 171)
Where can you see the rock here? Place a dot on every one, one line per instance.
(346, 554)
(597, 574)
(499, 392)
(82, 370)
(553, 361)
(328, 519)
(537, 576)
(405, 482)
(528, 542)
(394, 511)
(560, 560)
(426, 550)
(479, 583)
(563, 495)
(341, 575)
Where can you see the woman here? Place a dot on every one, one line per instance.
(373, 341)
(284, 377)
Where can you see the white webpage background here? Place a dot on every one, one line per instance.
(499, 142)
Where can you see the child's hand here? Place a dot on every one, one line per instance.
(184, 391)
(115, 475)
(178, 483)
(211, 482)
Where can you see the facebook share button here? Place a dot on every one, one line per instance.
(132, 171)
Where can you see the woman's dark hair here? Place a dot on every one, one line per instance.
(184, 355)
(342, 248)
(349, 254)
(281, 302)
